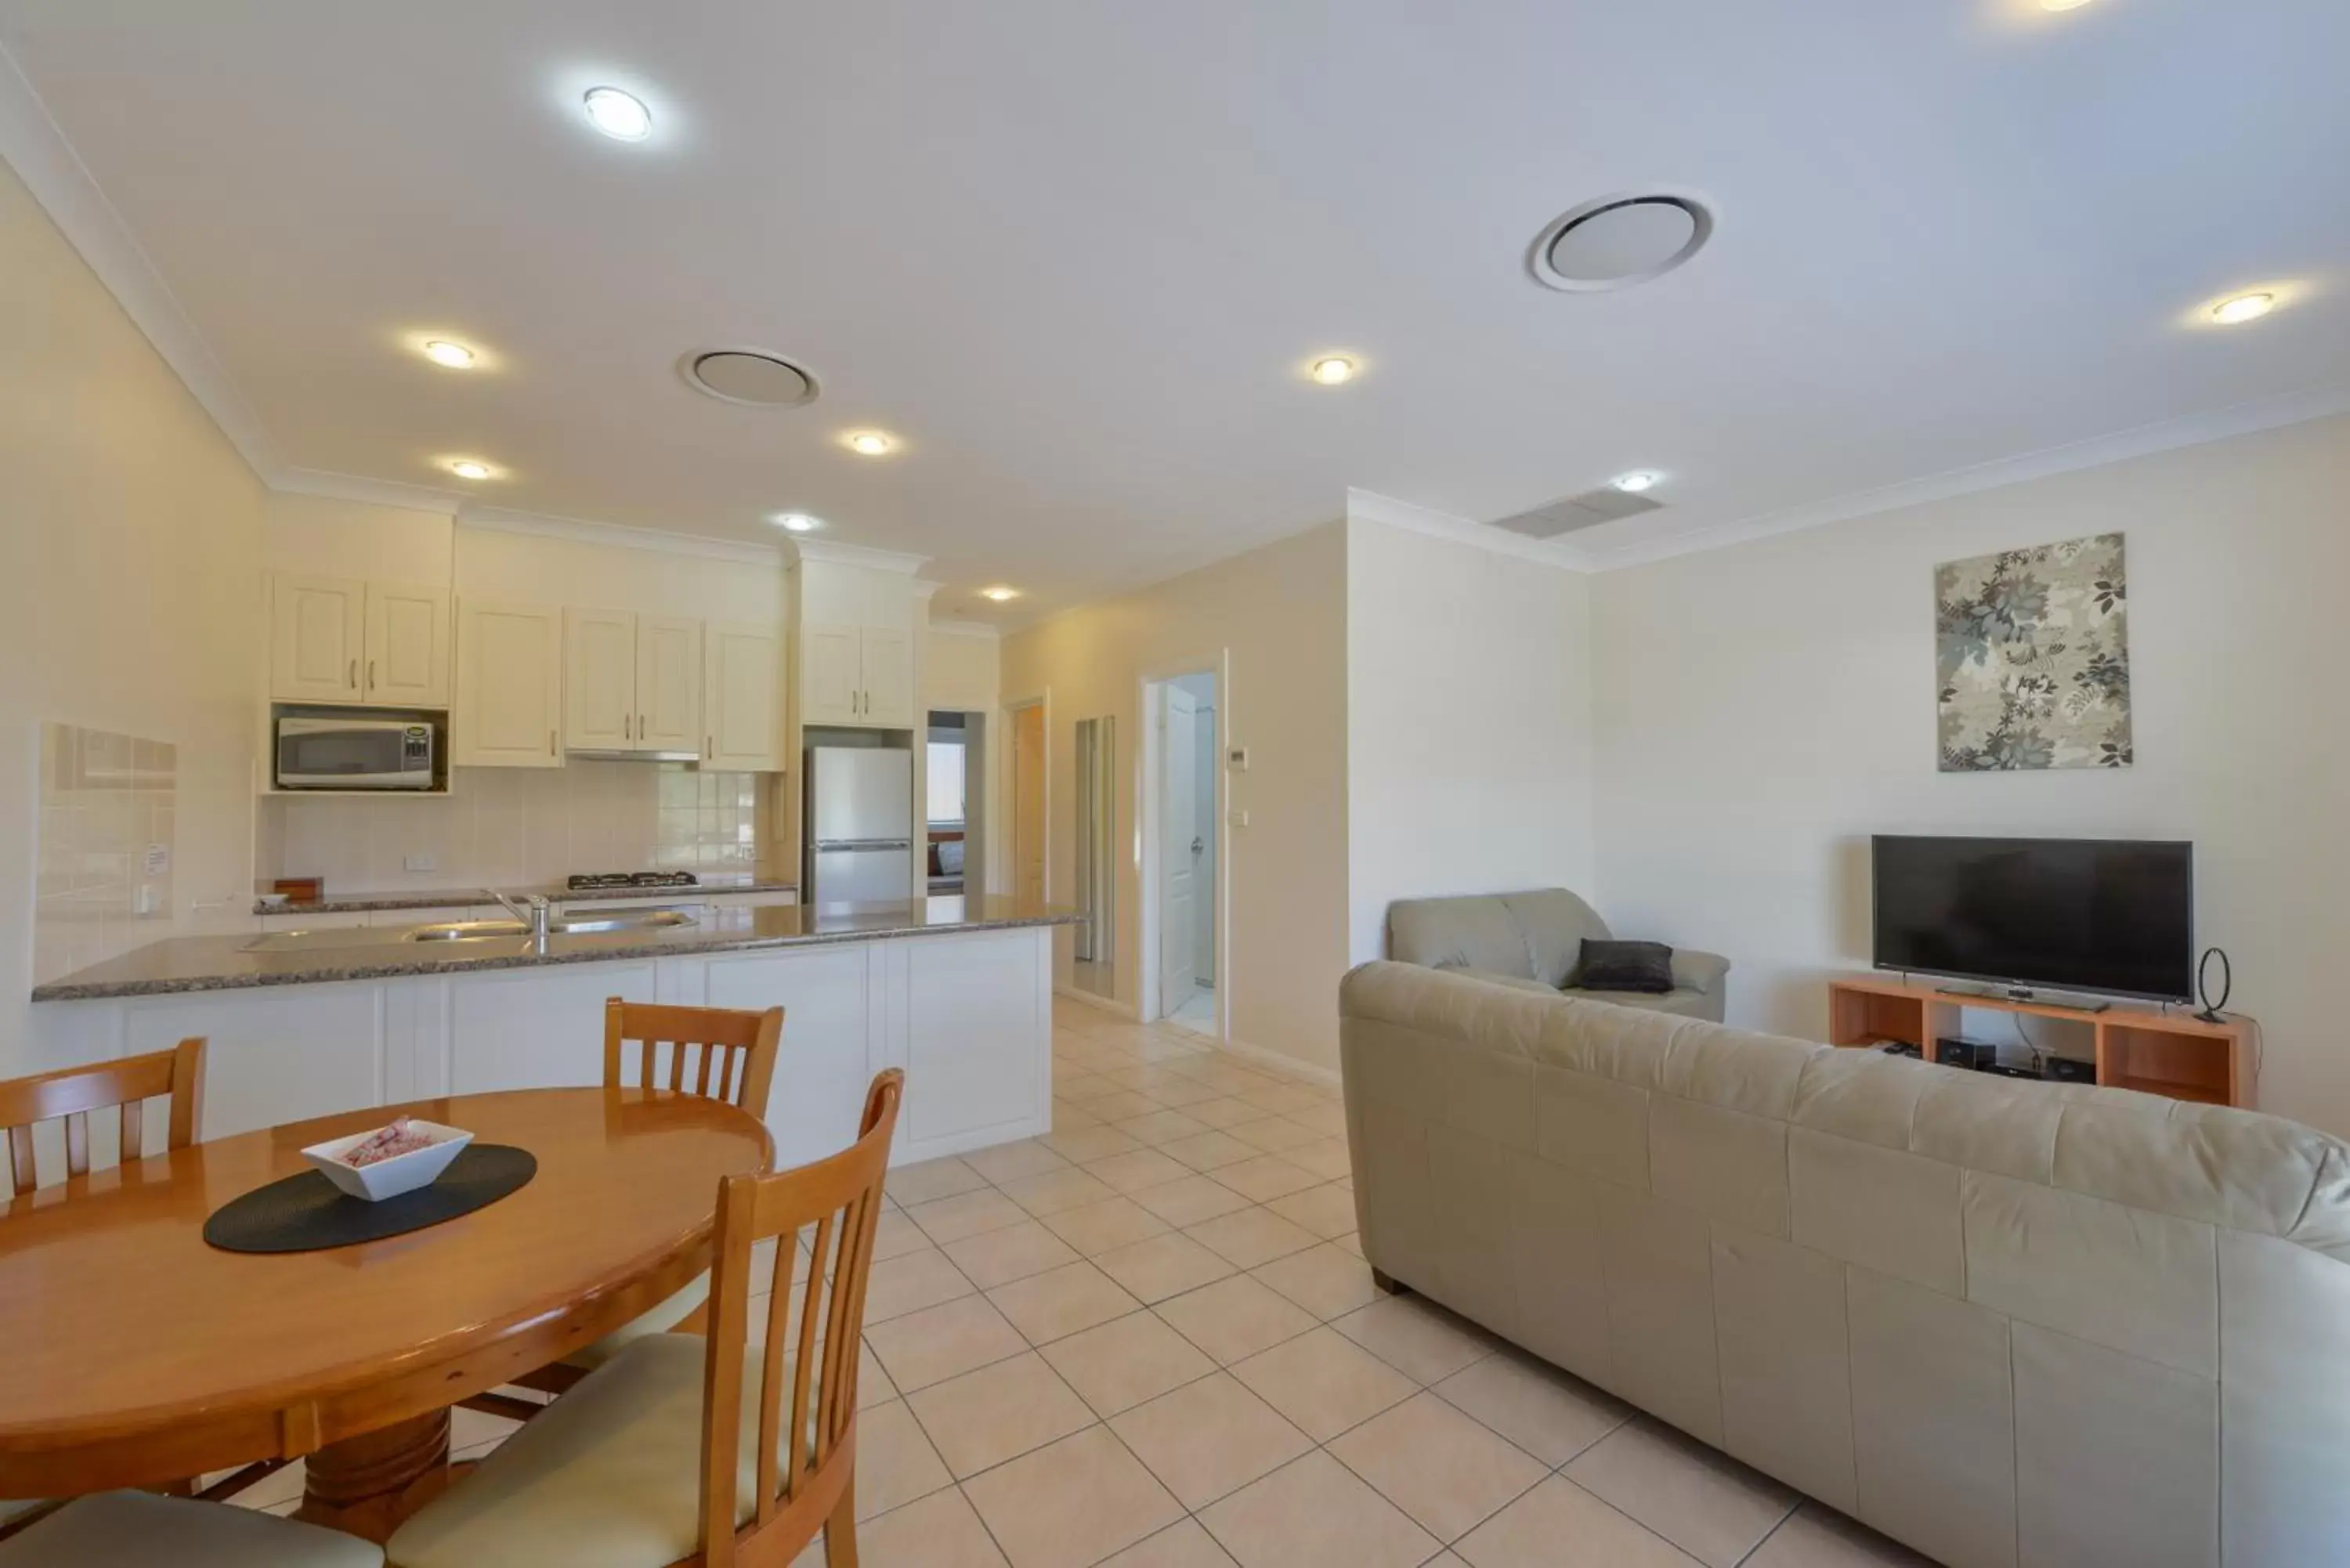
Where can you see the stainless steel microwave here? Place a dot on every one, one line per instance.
(354, 754)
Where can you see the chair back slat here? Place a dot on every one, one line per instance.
(120, 1086)
(804, 1461)
(724, 1052)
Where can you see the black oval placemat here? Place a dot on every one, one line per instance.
(307, 1213)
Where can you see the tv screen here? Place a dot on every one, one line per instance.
(2109, 915)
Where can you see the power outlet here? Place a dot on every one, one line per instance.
(420, 862)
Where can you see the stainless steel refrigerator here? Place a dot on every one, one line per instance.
(859, 823)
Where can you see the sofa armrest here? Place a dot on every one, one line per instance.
(1699, 972)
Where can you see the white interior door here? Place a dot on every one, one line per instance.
(1180, 848)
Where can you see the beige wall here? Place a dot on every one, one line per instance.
(961, 669)
(1279, 615)
(319, 535)
(1763, 708)
(129, 582)
(1467, 724)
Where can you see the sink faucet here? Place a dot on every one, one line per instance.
(534, 915)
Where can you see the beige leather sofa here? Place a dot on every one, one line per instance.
(1532, 939)
(2013, 1324)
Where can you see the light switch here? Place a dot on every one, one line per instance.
(1237, 817)
(1237, 759)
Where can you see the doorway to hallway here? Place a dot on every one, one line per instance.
(1183, 862)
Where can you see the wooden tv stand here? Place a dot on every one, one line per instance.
(2137, 1048)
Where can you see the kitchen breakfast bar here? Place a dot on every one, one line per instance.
(956, 991)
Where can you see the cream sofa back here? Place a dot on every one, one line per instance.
(2014, 1325)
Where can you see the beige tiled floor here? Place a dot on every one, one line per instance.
(1149, 1341)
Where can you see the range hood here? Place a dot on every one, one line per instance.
(619, 754)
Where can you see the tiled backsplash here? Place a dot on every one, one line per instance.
(523, 826)
(104, 881)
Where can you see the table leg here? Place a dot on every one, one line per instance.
(366, 1486)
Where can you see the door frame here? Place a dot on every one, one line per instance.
(1006, 761)
(1149, 782)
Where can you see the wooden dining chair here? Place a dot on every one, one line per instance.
(681, 1452)
(123, 1087)
(718, 1053)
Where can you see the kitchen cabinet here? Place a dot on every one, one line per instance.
(856, 645)
(509, 688)
(741, 698)
(345, 641)
(631, 682)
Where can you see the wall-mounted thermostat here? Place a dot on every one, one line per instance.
(1237, 759)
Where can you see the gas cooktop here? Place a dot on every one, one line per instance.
(593, 881)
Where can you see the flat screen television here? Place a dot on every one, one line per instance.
(2111, 915)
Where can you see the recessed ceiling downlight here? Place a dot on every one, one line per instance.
(750, 376)
(1618, 241)
(622, 116)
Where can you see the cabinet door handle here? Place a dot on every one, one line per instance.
(355, 674)
(550, 743)
(640, 726)
(371, 674)
(709, 746)
(624, 727)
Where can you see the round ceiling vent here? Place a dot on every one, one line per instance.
(750, 376)
(1618, 241)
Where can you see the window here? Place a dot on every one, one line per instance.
(947, 794)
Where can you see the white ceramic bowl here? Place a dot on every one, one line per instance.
(389, 1177)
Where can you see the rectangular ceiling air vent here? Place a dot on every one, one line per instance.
(1605, 504)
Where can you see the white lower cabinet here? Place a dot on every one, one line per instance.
(831, 1029)
(536, 1028)
(282, 1054)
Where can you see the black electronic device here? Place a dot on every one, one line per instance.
(1952, 1052)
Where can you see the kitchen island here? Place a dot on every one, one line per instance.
(956, 991)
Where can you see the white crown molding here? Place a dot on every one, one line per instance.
(967, 628)
(373, 492)
(925, 589)
(859, 555)
(504, 521)
(37, 148)
(2194, 430)
(1369, 506)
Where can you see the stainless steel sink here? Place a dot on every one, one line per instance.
(621, 920)
(465, 930)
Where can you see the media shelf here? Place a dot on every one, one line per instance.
(2136, 1048)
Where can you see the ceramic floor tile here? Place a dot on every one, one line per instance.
(1099, 1228)
(1140, 1167)
(1072, 1504)
(1700, 1500)
(1209, 1439)
(999, 1257)
(1447, 1471)
(1226, 1111)
(1209, 1150)
(1330, 1120)
(1326, 1281)
(1324, 1382)
(894, 1236)
(1325, 1158)
(910, 1283)
(895, 1461)
(942, 1341)
(1073, 1081)
(1553, 1415)
(1233, 1319)
(1123, 1105)
(1178, 1092)
(1117, 1364)
(1189, 1201)
(1011, 1161)
(1283, 1098)
(1264, 1178)
(1163, 1266)
(1272, 1135)
(1062, 1302)
(1070, 1116)
(1421, 1341)
(940, 1532)
(1183, 1545)
(1160, 1127)
(1816, 1536)
(948, 1220)
(933, 1178)
(1248, 1237)
(1091, 1143)
(984, 1417)
(1560, 1525)
(1327, 1211)
(873, 1384)
(1053, 1190)
(1316, 1514)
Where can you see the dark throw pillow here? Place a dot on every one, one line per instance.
(1646, 967)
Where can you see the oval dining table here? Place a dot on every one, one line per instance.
(137, 1354)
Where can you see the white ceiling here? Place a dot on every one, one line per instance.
(1077, 254)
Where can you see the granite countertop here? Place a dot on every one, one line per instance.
(229, 963)
(448, 897)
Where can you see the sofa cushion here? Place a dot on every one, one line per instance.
(1644, 967)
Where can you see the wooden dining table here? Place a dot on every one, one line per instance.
(139, 1355)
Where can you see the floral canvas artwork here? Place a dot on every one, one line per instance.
(2033, 658)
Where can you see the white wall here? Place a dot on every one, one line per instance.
(1279, 612)
(1763, 708)
(129, 582)
(1469, 736)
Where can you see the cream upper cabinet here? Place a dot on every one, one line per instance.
(832, 674)
(889, 677)
(857, 646)
(631, 682)
(741, 698)
(599, 681)
(318, 639)
(348, 640)
(509, 708)
(407, 646)
(669, 684)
